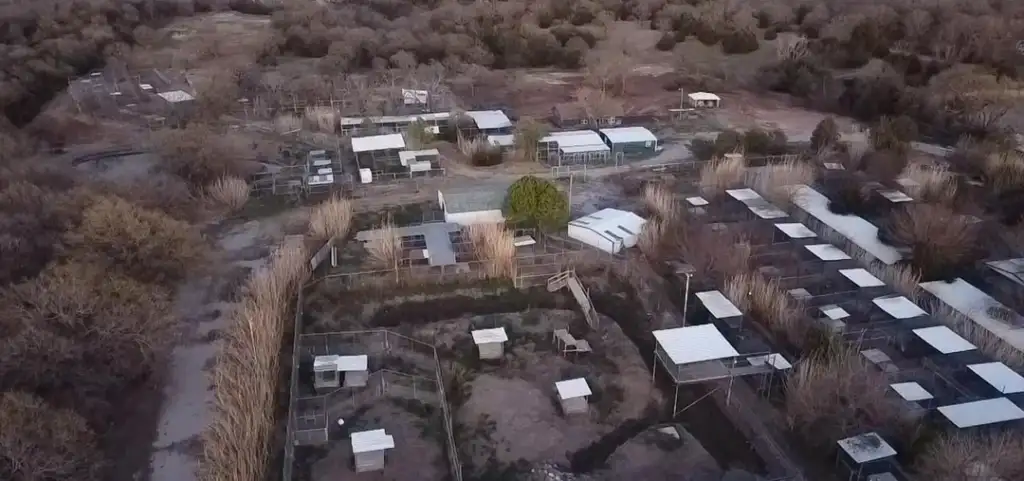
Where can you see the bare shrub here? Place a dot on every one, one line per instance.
(200, 154)
(39, 442)
(331, 219)
(287, 123)
(237, 444)
(767, 303)
(163, 192)
(973, 457)
(652, 238)
(721, 174)
(229, 192)
(714, 254)
(834, 395)
(774, 181)
(386, 249)
(1004, 171)
(661, 201)
(146, 244)
(323, 118)
(986, 342)
(940, 240)
(930, 184)
(496, 246)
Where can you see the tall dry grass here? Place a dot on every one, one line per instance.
(768, 304)
(661, 201)
(651, 240)
(988, 343)
(495, 246)
(721, 174)
(1004, 171)
(901, 278)
(714, 254)
(287, 123)
(939, 238)
(973, 457)
(774, 181)
(930, 184)
(834, 395)
(325, 119)
(331, 219)
(229, 192)
(386, 249)
(237, 444)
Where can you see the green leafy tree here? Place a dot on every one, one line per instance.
(537, 202)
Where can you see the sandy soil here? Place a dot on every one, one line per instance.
(666, 453)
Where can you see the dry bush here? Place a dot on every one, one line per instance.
(902, 278)
(146, 244)
(931, 184)
(721, 174)
(331, 219)
(494, 245)
(973, 457)
(33, 218)
(323, 118)
(237, 444)
(768, 304)
(940, 240)
(773, 181)
(284, 124)
(988, 343)
(652, 238)
(713, 254)
(229, 192)
(834, 395)
(386, 249)
(1004, 171)
(42, 443)
(162, 192)
(661, 201)
(202, 155)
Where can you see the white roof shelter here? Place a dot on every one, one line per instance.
(378, 142)
(774, 360)
(999, 376)
(757, 204)
(375, 440)
(623, 135)
(703, 97)
(865, 448)
(409, 156)
(609, 230)
(899, 307)
(176, 96)
(827, 252)
(859, 231)
(573, 388)
(980, 413)
(489, 119)
(718, 305)
(834, 312)
(693, 344)
(796, 230)
(484, 336)
(697, 201)
(911, 391)
(943, 339)
(340, 363)
(895, 196)
(861, 277)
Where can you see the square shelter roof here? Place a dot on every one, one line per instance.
(943, 339)
(718, 305)
(378, 142)
(489, 119)
(774, 360)
(980, 413)
(573, 388)
(834, 312)
(911, 391)
(485, 336)
(796, 230)
(622, 135)
(340, 363)
(176, 96)
(861, 277)
(999, 376)
(867, 447)
(828, 252)
(697, 201)
(369, 441)
(692, 344)
(899, 307)
(703, 96)
(407, 156)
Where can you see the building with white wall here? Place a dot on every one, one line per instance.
(610, 230)
(465, 207)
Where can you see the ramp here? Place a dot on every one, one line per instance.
(568, 279)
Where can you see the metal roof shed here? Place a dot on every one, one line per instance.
(704, 100)
(718, 305)
(630, 141)
(369, 448)
(491, 121)
(943, 339)
(999, 376)
(693, 353)
(864, 450)
(481, 205)
(982, 413)
(899, 307)
(573, 147)
(490, 342)
(327, 371)
(377, 143)
(572, 395)
(610, 230)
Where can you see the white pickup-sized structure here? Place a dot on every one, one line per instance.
(327, 371)
(699, 100)
(369, 449)
(610, 230)
(573, 394)
(490, 342)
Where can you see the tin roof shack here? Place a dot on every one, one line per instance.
(327, 371)
(866, 454)
(490, 342)
(610, 230)
(568, 115)
(704, 100)
(630, 142)
(573, 148)
(488, 122)
(573, 394)
(369, 448)
(420, 160)
(482, 205)
(379, 153)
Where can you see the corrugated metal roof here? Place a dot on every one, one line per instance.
(703, 96)
(489, 119)
(378, 142)
(483, 198)
(621, 135)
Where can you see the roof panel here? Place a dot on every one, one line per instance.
(378, 142)
(979, 307)
(368, 441)
(854, 228)
(827, 252)
(999, 376)
(489, 119)
(980, 413)
(691, 344)
(861, 277)
(620, 135)
(867, 447)
(573, 388)
(943, 339)
(774, 360)
(899, 307)
(795, 230)
(703, 96)
(485, 336)
(718, 305)
(911, 391)
(743, 195)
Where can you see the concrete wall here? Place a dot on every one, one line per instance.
(475, 217)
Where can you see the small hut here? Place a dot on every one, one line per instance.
(866, 454)
(369, 449)
(328, 371)
(490, 342)
(573, 394)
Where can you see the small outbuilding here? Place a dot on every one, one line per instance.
(369, 449)
(490, 342)
(573, 394)
(628, 142)
(573, 147)
(378, 152)
(610, 230)
(481, 205)
(420, 160)
(866, 454)
(328, 371)
(704, 100)
(490, 122)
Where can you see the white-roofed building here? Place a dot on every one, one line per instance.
(718, 305)
(176, 96)
(982, 309)
(573, 394)
(328, 371)
(865, 453)
(795, 230)
(982, 413)
(899, 307)
(943, 339)
(609, 230)
(630, 142)
(694, 353)
(704, 100)
(573, 148)
(378, 152)
(369, 449)
(420, 160)
(999, 376)
(490, 122)
(490, 342)
(862, 278)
